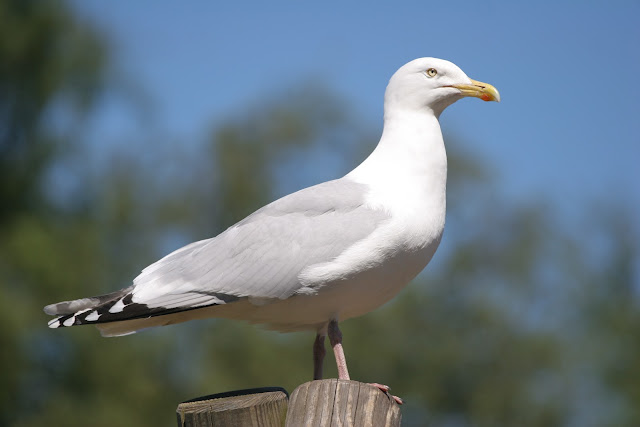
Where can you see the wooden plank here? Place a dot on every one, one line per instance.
(341, 403)
(254, 407)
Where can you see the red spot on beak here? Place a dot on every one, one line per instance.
(485, 97)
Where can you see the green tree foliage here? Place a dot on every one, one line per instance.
(518, 321)
(47, 58)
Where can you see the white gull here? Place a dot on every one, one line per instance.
(320, 255)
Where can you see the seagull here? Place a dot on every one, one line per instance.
(313, 258)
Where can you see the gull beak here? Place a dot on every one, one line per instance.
(477, 89)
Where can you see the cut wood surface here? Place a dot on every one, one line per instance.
(255, 407)
(335, 402)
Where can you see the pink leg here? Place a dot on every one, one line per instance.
(335, 337)
(318, 356)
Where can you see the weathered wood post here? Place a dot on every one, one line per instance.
(254, 407)
(341, 403)
(317, 403)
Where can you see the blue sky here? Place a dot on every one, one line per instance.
(568, 125)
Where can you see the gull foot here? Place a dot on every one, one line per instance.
(385, 389)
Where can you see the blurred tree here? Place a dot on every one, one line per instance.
(609, 306)
(46, 58)
(249, 150)
(510, 324)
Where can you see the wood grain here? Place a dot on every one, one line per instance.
(255, 407)
(340, 403)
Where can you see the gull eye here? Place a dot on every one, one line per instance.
(432, 72)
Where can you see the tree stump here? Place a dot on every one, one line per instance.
(254, 407)
(341, 403)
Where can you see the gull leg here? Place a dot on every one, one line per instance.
(335, 337)
(318, 356)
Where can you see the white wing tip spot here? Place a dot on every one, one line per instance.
(117, 307)
(92, 317)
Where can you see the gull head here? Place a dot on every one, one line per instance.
(433, 84)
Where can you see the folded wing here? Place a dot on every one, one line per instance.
(260, 257)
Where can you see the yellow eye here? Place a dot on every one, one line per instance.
(431, 72)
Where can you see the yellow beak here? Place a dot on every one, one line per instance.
(477, 89)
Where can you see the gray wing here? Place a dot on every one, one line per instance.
(261, 256)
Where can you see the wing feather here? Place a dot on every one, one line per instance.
(261, 257)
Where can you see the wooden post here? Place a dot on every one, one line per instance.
(254, 407)
(341, 403)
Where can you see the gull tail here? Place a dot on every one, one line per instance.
(84, 310)
(116, 314)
